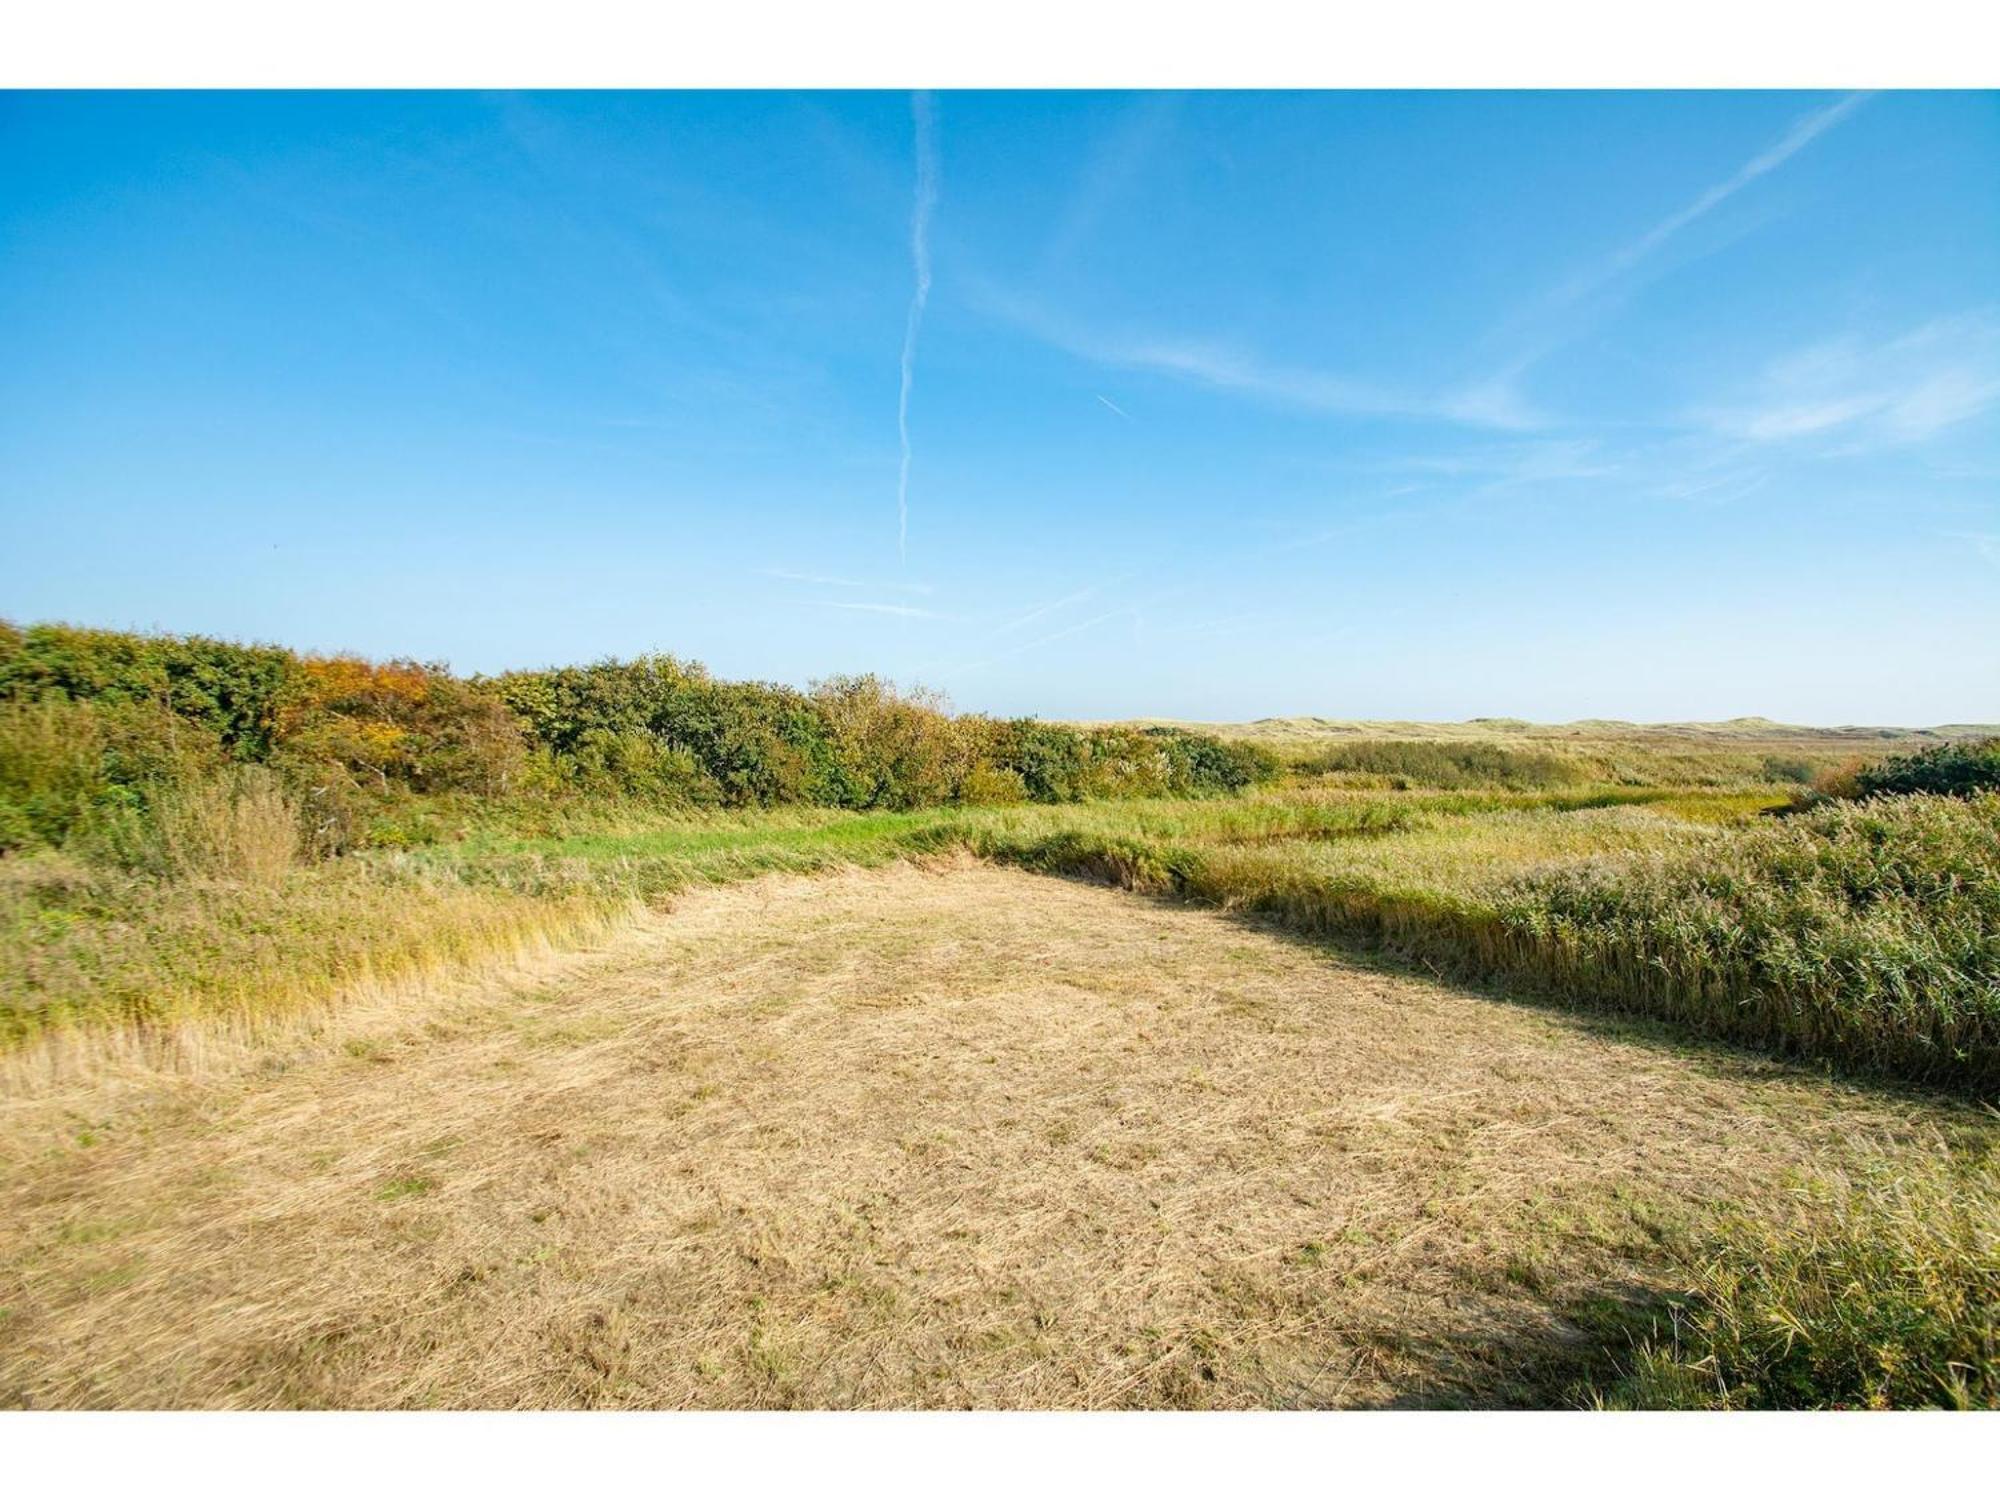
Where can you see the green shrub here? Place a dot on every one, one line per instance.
(758, 743)
(1048, 759)
(78, 770)
(1958, 769)
(1202, 763)
(893, 749)
(51, 770)
(1057, 763)
(230, 691)
(992, 786)
(1799, 769)
(353, 738)
(632, 763)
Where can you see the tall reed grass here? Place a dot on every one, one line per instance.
(1866, 934)
(1877, 1291)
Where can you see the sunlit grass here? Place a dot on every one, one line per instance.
(1879, 1289)
(1864, 935)
(1816, 936)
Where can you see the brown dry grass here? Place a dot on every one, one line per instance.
(904, 1138)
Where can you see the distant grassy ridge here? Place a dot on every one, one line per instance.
(1517, 754)
(1716, 733)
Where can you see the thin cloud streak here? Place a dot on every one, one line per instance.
(823, 580)
(1985, 543)
(920, 257)
(1114, 406)
(1040, 611)
(906, 611)
(1802, 134)
(1046, 640)
(1901, 391)
(1627, 258)
(1487, 405)
(1113, 168)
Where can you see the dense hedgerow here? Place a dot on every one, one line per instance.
(97, 726)
(228, 690)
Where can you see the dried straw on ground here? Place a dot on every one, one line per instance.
(905, 1138)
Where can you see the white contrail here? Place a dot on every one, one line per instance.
(1803, 133)
(920, 256)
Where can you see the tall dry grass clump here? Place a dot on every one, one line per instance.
(240, 825)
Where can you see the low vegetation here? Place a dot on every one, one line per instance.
(1866, 935)
(1878, 1290)
(941, 1135)
(192, 830)
(1960, 769)
(1402, 764)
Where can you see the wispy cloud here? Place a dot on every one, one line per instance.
(1807, 129)
(824, 580)
(1558, 317)
(1114, 164)
(1985, 543)
(1123, 612)
(1540, 461)
(920, 257)
(1224, 367)
(1711, 489)
(906, 611)
(1042, 611)
(1865, 395)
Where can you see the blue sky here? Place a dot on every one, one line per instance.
(1215, 406)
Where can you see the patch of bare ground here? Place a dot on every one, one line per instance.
(901, 1138)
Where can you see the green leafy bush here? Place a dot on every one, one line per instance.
(354, 740)
(894, 749)
(1958, 769)
(758, 744)
(83, 770)
(231, 691)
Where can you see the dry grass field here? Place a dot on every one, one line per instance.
(945, 1136)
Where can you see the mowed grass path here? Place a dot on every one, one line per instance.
(901, 1137)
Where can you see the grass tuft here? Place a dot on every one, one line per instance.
(1879, 1290)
